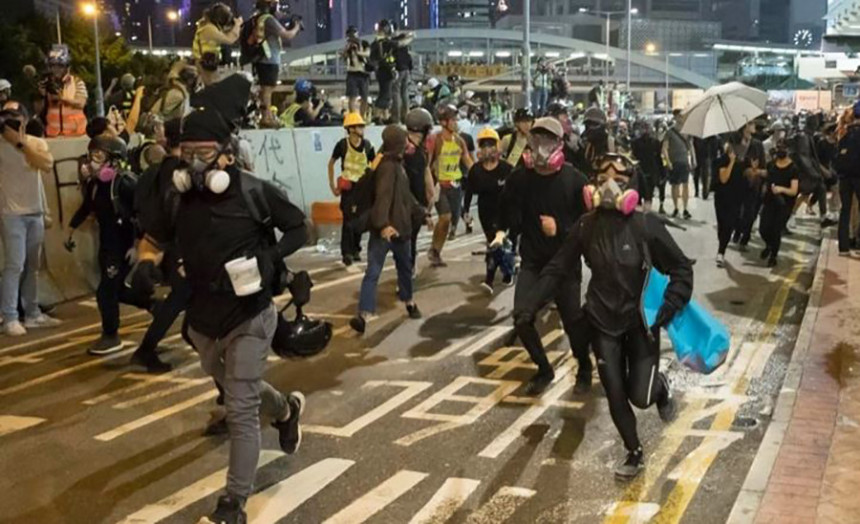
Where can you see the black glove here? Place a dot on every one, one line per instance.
(143, 278)
(664, 315)
(300, 288)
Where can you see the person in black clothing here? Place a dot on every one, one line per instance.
(705, 150)
(750, 152)
(419, 123)
(541, 202)
(467, 216)
(226, 217)
(847, 166)
(812, 179)
(646, 149)
(620, 245)
(487, 180)
(729, 188)
(596, 142)
(400, 89)
(108, 193)
(781, 188)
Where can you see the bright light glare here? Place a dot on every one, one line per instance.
(89, 9)
(172, 16)
(634, 11)
(650, 48)
(455, 53)
(476, 53)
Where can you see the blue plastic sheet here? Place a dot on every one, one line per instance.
(701, 341)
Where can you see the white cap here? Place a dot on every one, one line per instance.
(5, 84)
(432, 83)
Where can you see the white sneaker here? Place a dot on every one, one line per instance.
(14, 328)
(41, 321)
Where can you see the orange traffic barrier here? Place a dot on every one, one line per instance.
(327, 212)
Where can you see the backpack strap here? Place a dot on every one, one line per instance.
(252, 192)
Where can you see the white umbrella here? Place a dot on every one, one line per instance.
(723, 109)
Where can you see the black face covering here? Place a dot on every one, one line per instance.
(781, 153)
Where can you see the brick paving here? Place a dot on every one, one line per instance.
(816, 475)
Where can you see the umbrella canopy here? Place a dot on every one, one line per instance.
(723, 109)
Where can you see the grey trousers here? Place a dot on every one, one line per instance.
(237, 362)
(400, 98)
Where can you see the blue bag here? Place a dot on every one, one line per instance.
(701, 341)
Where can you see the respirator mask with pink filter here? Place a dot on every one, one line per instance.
(612, 191)
(545, 152)
(101, 167)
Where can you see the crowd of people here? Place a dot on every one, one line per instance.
(553, 189)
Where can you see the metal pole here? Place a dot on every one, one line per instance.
(606, 58)
(527, 51)
(59, 30)
(668, 98)
(100, 97)
(629, 40)
(149, 28)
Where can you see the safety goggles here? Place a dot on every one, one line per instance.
(98, 156)
(206, 154)
(618, 163)
(540, 141)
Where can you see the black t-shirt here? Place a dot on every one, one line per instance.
(415, 164)
(781, 177)
(646, 149)
(528, 195)
(340, 149)
(735, 186)
(402, 58)
(303, 118)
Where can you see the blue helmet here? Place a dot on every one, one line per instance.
(303, 85)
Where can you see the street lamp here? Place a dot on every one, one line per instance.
(651, 49)
(173, 17)
(630, 11)
(90, 9)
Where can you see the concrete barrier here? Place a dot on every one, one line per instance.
(294, 159)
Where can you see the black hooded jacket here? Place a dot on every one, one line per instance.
(620, 258)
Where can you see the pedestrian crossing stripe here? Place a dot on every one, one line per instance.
(12, 423)
(279, 500)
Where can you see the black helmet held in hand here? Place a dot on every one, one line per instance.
(300, 338)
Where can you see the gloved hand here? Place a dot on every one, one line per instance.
(664, 316)
(143, 278)
(300, 288)
(499, 240)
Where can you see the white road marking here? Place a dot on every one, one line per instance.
(143, 381)
(154, 417)
(278, 501)
(187, 383)
(96, 361)
(492, 334)
(89, 303)
(187, 496)
(446, 501)
(534, 412)
(12, 423)
(634, 513)
(501, 506)
(411, 389)
(376, 499)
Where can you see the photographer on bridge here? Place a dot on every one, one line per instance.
(65, 96)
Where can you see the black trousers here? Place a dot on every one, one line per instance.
(728, 208)
(750, 208)
(849, 189)
(702, 178)
(575, 324)
(628, 366)
(112, 289)
(350, 235)
(166, 314)
(774, 217)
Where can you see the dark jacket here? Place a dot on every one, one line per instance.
(393, 204)
(620, 253)
(847, 162)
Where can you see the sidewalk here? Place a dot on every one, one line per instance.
(807, 469)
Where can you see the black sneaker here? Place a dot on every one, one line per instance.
(583, 379)
(347, 260)
(228, 511)
(106, 345)
(452, 235)
(413, 311)
(828, 222)
(675, 213)
(771, 262)
(469, 229)
(687, 215)
(358, 324)
(217, 424)
(539, 382)
(150, 361)
(508, 280)
(356, 257)
(736, 239)
(290, 430)
(764, 253)
(435, 258)
(662, 210)
(786, 232)
(630, 467)
(666, 407)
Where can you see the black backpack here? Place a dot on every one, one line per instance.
(250, 47)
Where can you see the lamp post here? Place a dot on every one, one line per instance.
(90, 9)
(173, 17)
(149, 30)
(527, 51)
(630, 11)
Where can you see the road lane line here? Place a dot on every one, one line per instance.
(12, 423)
(168, 506)
(446, 501)
(143, 399)
(411, 390)
(107, 436)
(278, 501)
(144, 380)
(494, 333)
(376, 499)
(501, 506)
(96, 361)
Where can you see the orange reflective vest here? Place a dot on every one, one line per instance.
(65, 120)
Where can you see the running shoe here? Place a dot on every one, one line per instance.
(487, 287)
(583, 378)
(106, 345)
(539, 382)
(346, 260)
(14, 328)
(290, 430)
(508, 280)
(150, 361)
(764, 253)
(358, 324)
(666, 407)
(721, 261)
(662, 210)
(675, 213)
(452, 234)
(413, 311)
(41, 321)
(435, 258)
(687, 215)
(228, 511)
(771, 262)
(630, 467)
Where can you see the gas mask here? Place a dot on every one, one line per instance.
(104, 172)
(199, 174)
(488, 150)
(545, 152)
(612, 193)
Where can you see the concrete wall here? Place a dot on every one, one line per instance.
(296, 160)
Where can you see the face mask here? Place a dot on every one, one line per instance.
(489, 153)
(544, 154)
(611, 195)
(106, 173)
(200, 175)
(596, 135)
(781, 153)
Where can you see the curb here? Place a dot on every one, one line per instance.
(749, 499)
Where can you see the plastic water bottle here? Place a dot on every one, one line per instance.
(328, 243)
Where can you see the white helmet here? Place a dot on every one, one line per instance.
(433, 83)
(5, 84)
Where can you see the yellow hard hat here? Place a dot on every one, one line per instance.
(488, 133)
(353, 119)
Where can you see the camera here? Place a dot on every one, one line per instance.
(294, 20)
(52, 84)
